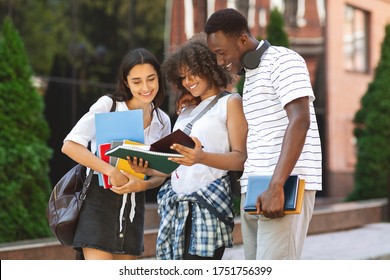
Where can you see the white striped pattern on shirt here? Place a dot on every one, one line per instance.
(281, 77)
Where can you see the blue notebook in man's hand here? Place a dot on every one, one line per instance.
(293, 193)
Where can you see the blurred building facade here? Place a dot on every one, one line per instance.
(341, 43)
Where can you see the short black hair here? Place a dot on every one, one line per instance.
(229, 21)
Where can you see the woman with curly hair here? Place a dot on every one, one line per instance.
(195, 206)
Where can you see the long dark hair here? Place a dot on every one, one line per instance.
(132, 58)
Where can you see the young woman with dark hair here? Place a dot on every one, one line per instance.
(111, 223)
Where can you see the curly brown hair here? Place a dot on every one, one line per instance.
(195, 56)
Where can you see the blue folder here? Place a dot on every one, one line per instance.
(258, 184)
(116, 126)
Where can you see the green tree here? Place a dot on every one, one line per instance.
(93, 35)
(276, 34)
(76, 47)
(24, 155)
(372, 123)
(44, 27)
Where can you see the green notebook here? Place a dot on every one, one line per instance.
(156, 154)
(157, 160)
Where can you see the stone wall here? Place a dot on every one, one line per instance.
(328, 217)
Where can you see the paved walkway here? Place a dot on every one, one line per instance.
(371, 241)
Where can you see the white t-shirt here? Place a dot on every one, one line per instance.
(281, 77)
(84, 130)
(211, 130)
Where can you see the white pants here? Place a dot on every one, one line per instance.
(276, 239)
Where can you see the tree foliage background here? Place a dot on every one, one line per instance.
(86, 29)
(24, 154)
(276, 34)
(372, 132)
(75, 47)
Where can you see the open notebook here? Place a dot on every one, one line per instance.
(156, 154)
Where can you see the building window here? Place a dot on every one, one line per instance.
(355, 40)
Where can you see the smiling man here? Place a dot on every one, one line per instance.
(283, 137)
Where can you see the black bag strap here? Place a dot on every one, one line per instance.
(188, 128)
(226, 220)
(87, 181)
(86, 184)
(113, 106)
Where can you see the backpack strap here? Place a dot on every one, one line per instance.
(113, 106)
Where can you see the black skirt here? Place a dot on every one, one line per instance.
(105, 223)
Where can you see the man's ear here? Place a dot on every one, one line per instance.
(243, 42)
